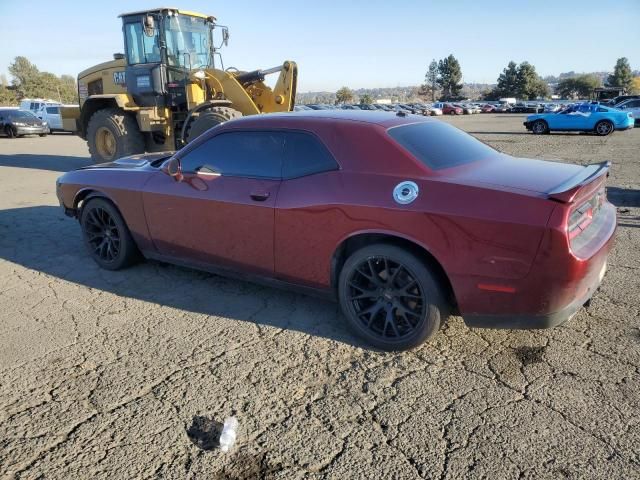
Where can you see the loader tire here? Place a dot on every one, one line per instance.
(208, 119)
(113, 134)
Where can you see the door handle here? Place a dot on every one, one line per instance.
(259, 196)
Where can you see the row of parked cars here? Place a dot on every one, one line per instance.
(425, 109)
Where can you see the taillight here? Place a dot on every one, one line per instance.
(581, 217)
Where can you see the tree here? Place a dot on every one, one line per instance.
(344, 95)
(580, 86)
(507, 81)
(450, 76)
(635, 86)
(28, 81)
(529, 84)
(621, 76)
(431, 81)
(366, 99)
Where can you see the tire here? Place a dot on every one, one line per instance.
(42, 134)
(106, 235)
(452, 112)
(209, 119)
(10, 132)
(122, 128)
(603, 128)
(539, 127)
(388, 315)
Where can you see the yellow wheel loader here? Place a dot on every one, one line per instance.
(169, 86)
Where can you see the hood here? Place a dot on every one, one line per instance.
(132, 161)
(521, 174)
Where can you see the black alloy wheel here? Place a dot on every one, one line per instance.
(106, 235)
(390, 297)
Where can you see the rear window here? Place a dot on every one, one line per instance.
(439, 145)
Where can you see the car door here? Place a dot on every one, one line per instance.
(222, 210)
(52, 116)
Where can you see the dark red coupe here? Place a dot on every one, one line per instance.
(403, 219)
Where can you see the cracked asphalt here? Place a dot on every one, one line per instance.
(129, 374)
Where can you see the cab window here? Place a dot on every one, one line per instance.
(141, 48)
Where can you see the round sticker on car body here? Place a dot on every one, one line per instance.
(405, 192)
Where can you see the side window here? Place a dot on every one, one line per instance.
(53, 110)
(238, 154)
(305, 155)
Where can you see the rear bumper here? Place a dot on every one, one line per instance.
(535, 322)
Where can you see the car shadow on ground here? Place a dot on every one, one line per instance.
(54, 163)
(623, 197)
(43, 239)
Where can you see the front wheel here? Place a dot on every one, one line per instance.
(604, 128)
(390, 297)
(112, 134)
(539, 127)
(10, 132)
(106, 235)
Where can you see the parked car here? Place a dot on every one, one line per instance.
(487, 108)
(619, 99)
(448, 108)
(503, 108)
(631, 106)
(350, 107)
(551, 108)
(434, 111)
(365, 106)
(586, 117)
(424, 219)
(16, 123)
(523, 108)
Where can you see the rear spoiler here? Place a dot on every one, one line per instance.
(567, 190)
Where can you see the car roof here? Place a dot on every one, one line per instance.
(307, 117)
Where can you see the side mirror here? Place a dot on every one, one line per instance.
(149, 25)
(225, 36)
(173, 168)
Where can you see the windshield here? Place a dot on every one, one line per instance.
(21, 114)
(188, 42)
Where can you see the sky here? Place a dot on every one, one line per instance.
(357, 43)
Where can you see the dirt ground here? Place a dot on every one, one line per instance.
(128, 374)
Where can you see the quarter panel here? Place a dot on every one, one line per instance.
(471, 231)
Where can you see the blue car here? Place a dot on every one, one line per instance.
(585, 117)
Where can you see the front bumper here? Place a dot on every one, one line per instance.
(32, 130)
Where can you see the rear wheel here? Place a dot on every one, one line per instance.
(113, 134)
(604, 127)
(209, 119)
(539, 127)
(106, 235)
(10, 132)
(390, 297)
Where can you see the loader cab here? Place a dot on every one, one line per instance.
(163, 47)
